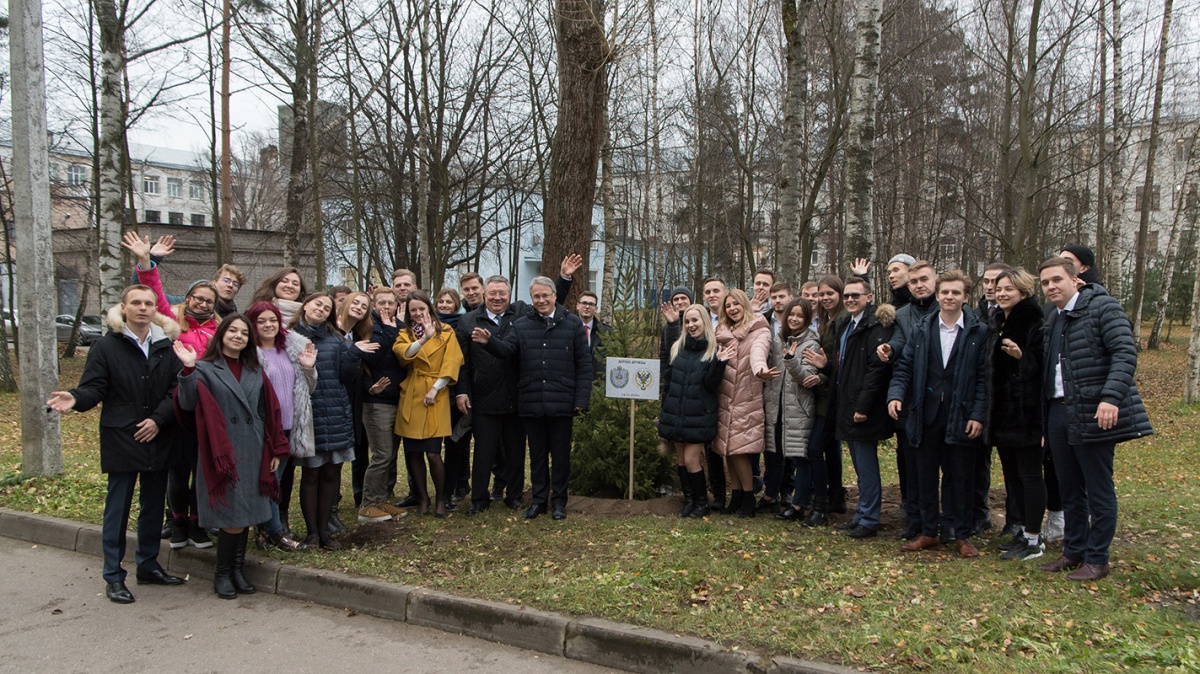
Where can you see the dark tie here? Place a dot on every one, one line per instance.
(587, 332)
(842, 344)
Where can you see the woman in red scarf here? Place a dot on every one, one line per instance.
(241, 442)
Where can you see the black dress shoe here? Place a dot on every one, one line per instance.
(790, 514)
(513, 503)
(845, 526)
(534, 510)
(158, 577)
(909, 532)
(408, 502)
(560, 512)
(477, 508)
(118, 593)
(860, 531)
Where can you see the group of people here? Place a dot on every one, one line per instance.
(212, 409)
(790, 378)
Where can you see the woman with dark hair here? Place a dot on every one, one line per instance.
(829, 311)
(458, 444)
(290, 360)
(448, 305)
(338, 365)
(241, 443)
(1015, 424)
(286, 289)
(792, 410)
(430, 351)
(740, 418)
(355, 323)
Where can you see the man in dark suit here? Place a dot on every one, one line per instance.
(133, 370)
(1092, 404)
(940, 382)
(594, 329)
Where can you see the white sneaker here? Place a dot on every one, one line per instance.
(1052, 530)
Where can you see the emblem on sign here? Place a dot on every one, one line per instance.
(643, 379)
(619, 377)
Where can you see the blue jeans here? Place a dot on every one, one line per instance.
(865, 456)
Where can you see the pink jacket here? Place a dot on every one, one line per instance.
(740, 418)
(194, 333)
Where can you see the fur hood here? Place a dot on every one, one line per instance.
(885, 314)
(161, 325)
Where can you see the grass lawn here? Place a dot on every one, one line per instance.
(775, 588)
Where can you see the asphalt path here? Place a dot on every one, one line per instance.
(54, 617)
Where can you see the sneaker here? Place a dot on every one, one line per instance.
(392, 510)
(1052, 531)
(1015, 540)
(198, 537)
(179, 536)
(1024, 550)
(373, 514)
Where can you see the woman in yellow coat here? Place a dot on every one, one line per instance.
(430, 352)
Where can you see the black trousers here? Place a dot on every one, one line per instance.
(1085, 478)
(500, 436)
(117, 504)
(716, 474)
(549, 457)
(181, 477)
(906, 467)
(1024, 486)
(957, 465)
(458, 456)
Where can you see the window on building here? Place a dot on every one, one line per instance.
(1138, 200)
(54, 174)
(149, 184)
(152, 216)
(175, 218)
(949, 250)
(197, 219)
(175, 187)
(195, 189)
(1183, 149)
(76, 175)
(815, 258)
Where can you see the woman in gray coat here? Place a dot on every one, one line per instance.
(241, 442)
(793, 406)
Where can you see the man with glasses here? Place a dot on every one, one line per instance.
(860, 384)
(594, 329)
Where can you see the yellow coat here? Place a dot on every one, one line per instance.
(439, 357)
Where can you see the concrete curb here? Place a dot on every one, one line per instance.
(600, 642)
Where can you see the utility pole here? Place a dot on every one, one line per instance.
(41, 442)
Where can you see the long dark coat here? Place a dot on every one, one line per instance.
(1017, 396)
(689, 401)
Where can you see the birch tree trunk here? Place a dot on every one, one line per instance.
(1168, 269)
(610, 217)
(1117, 178)
(583, 60)
(795, 103)
(860, 146)
(1142, 253)
(113, 112)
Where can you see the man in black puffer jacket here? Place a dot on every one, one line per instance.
(1092, 404)
(554, 385)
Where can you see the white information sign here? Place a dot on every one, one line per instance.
(631, 378)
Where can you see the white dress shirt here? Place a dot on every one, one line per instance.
(1059, 390)
(948, 334)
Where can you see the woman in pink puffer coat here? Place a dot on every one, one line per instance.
(740, 419)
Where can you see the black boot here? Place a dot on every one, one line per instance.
(820, 514)
(240, 584)
(746, 510)
(336, 525)
(226, 550)
(735, 501)
(699, 495)
(685, 485)
(837, 500)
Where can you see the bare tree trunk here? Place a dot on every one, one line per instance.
(223, 228)
(314, 147)
(610, 217)
(795, 102)
(1101, 247)
(297, 187)
(1116, 162)
(1168, 268)
(1030, 157)
(583, 58)
(1191, 384)
(113, 111)
(1142, 253)
(860, 146)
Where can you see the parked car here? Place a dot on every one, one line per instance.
(89, 328)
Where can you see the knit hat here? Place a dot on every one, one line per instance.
(680, 290)
(904, 259)
(1086, 257)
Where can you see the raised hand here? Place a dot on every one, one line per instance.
(380, 385)
(185, 354)
(758, 301)
(481, 335)
(727, 352)
(669, 312)
(1010, 348)
(61, 401)
(861, 266)
(140, 248)
(570, 264)
(791, 349)
(768, 375)
(308, 357)
(163, 247)
(817, 358)
(367, 346)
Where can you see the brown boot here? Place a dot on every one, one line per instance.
(966, 550)
(921, 543)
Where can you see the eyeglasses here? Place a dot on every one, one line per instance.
(587, 304)
(202, 300)
(232, 282)
(851, 296)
